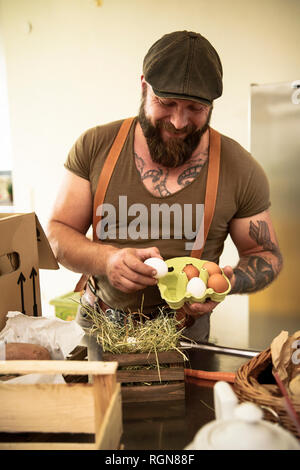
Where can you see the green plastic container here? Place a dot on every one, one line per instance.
(66, 306)
(172, 286)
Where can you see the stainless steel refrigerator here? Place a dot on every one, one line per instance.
(275, 143)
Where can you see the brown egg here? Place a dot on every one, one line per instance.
(217, 282)
(191, 271)
(212, 268)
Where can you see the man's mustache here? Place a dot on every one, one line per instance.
(169, 127)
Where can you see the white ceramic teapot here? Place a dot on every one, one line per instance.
(240, 427)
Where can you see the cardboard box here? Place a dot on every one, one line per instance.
(24, 249)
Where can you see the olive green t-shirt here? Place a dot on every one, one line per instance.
(133, 217)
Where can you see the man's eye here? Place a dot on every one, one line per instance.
(196, 110)
(168, 104)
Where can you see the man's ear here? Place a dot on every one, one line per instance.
(143, 82)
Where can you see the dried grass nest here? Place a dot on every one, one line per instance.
(136, 333)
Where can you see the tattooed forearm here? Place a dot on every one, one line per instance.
(255, 272)
(252, 274)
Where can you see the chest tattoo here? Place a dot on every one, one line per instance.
(193, 169)
(188, 175)
(159, 177)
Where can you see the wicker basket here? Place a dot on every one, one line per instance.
(247, 388)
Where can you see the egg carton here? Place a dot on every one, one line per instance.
(173, 285)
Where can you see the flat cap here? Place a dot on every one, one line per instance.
(184, 65)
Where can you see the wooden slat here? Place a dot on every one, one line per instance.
(164, 357)
(109, 434)
(46, 446)
(150, 375)
(103, 389)
(150, 393)
(58, 367)
(47, 408)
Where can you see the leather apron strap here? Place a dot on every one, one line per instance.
(108, 169)
(103, 182)
(210, 192)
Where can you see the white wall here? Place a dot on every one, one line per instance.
(5, 138)
(72, 65)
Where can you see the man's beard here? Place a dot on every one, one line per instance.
(175, 151)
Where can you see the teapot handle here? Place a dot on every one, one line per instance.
(225, 400)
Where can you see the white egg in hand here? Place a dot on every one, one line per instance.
(159, 265)
(196, 287)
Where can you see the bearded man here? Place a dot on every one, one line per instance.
(163, 165)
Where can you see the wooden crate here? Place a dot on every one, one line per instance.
(144, 384)
(92, 408)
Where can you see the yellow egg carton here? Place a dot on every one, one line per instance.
(172, 286)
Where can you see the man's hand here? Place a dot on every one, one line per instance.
(126, 270)
(228, 271)
(197, 309)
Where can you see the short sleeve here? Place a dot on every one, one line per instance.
(79, 157)
(256, 195)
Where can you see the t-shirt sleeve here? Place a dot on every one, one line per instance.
(243, 186)
(79, 157)
(256, 195)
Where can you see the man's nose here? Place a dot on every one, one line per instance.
(179, 119)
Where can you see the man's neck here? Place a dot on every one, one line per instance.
(160, 180)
